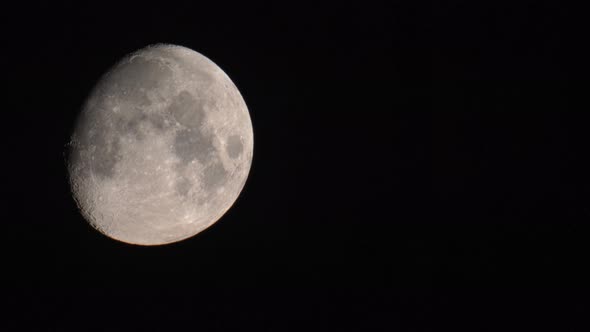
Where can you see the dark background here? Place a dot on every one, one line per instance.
(416, 165)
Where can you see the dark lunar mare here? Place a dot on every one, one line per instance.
(234, 146)
(192, 141)
(214, 175)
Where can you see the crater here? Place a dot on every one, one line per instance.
(234, 146)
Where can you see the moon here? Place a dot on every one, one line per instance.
(162, 147)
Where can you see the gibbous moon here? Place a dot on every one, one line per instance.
(162, 147)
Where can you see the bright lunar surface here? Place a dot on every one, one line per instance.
(162, 147)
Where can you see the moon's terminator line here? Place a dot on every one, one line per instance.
(162, 147)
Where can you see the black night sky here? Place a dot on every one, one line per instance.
(416, 166)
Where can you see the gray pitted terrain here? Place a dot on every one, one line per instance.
(162, 147)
